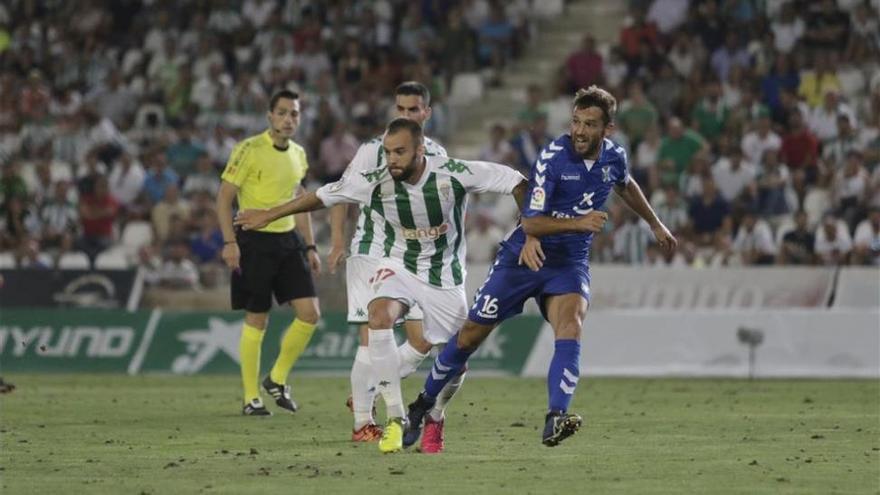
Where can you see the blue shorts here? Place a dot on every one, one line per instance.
(509, 285)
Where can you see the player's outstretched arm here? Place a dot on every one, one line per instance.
(634, 198)
(542, 225)
(256, 219)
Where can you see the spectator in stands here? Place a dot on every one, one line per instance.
(680, 145)
(126, 179)
(708, 212)
(798, 244)
(733, 176)
(457, 45)
(584, 67)
(788, 29)
(204, 179)
(59, 219)
(12, 184)
(849, 189)
(495, 44)
(760, 140)
(207, 242)
(498, 149)
(160, 177)
(754, 240)
(823, 119)
(773, 182)
(336, 151)
(97, 212)
(631, 239)
(183, 153)
(171, 205)
(483, 238)
(534, 106)
(636, 114)
(731, 55)
(833, 242)
(709, 117)
(178, 271)
(21, 223)
(866, 243)
(637, 31)
(672, 211)
(836, 150)
(800, 148)
(827, 27)
(529, 143)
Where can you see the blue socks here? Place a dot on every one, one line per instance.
(563, 375)
(449, 364)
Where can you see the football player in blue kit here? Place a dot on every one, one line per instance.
(547, 257)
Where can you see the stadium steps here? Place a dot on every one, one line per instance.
(556, 39)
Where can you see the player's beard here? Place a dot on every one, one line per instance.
(407, 171)
(592, 149)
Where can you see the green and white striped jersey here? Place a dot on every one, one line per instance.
(369, 238)
(422, 225)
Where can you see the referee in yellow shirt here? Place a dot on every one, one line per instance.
(264, 171)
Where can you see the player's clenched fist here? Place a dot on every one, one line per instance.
(252, 219)
(593, 221)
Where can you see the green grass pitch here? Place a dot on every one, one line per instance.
(162, 434)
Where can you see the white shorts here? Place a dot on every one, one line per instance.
(359, 269)
(444, 310)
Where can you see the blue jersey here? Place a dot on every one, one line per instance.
(564, 185)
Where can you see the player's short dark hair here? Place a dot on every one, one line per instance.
(284, 93)
(405, 124)
(414, 88)
(594, 96)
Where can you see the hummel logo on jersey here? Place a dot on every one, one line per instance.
(360, 312)
(456, 167)
(571, 177)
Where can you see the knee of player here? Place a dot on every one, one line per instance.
(311, 315)
(380, 316)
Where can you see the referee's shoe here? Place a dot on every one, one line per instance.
(281, 394)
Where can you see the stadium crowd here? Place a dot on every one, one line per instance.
(752, 126)
(117, 117)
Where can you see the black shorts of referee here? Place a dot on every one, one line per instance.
(272, 264)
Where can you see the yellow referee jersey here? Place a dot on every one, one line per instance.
(266, 176)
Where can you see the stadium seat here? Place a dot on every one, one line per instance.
(466, 87)
(784, 227)
(7, 260)
(548, 9)
(112, 259)
(135, 235)
(75, 260)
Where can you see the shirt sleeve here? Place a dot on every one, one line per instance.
(623, 177)
(238, 166)
(366, 158)
(353, 187)
(542, 184)
(480, 177)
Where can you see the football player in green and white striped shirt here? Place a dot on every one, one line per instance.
(421, 201)
(411, 100)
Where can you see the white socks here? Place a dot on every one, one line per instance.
(410, 359)
(363, 382)
(446, 393)
(386, 367)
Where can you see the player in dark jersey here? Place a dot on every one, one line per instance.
(569, 184)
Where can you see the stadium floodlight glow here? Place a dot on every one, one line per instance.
(751, 337)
